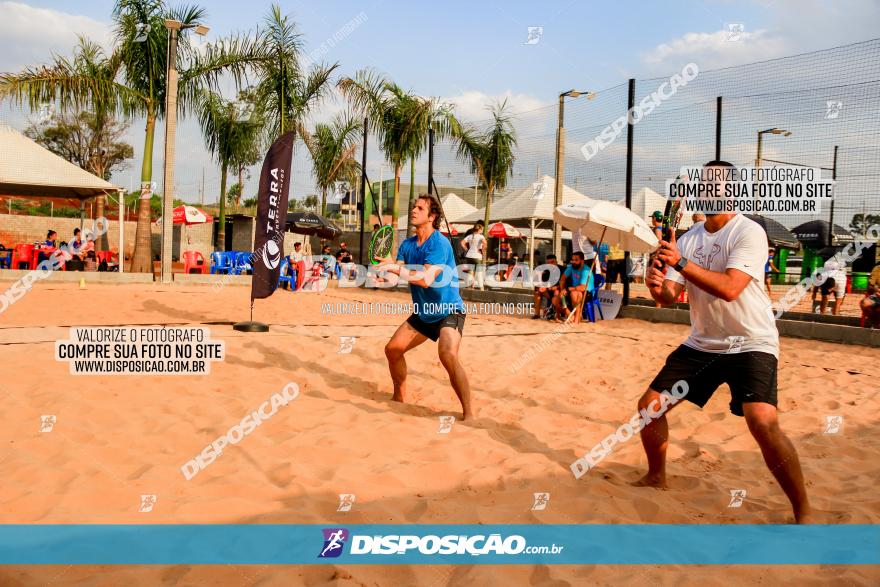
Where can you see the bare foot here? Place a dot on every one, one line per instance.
(469, 416)
(657, 481)
(397, 397)
(805, 516)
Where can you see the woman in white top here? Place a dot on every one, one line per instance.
(474, 244)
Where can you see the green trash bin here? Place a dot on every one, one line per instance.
(860, 281)
(812, 261)
(781, 263)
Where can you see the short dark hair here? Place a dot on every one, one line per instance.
(550, 256)
(75, 231)
(297, 244)
(49, 234)
(433, 208)
(579, 254)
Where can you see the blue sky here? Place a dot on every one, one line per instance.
(472, 52)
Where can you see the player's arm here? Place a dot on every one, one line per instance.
(727, 285)
(774, 268)
(664, 291)
(422, 278)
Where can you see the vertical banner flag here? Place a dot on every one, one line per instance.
(271, 217)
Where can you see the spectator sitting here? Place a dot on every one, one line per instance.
(547, 292)
(48, 246)
(76, 243)
(574, 287)
(870, 306)
(297, 262)
(346, 255)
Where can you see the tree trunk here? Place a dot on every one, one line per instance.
(221, 217)
(141, 259)
(412, 195)
(323, 201)
(489, 194)
(101, 243)
(240, 186)
(394, 215)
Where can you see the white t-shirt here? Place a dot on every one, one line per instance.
(835, 270)
(580, 243)
(474, 242)
(747, 323)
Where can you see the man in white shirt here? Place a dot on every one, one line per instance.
(474, 245)
(581, 244)
(834, 272)
(733, 340)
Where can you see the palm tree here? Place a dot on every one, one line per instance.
(230, 139)
(399, 118)
(137, 87)
(286, 91)
(332, 147)
(490, 152)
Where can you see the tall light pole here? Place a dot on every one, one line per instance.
(174, 27)
(761, 133)
(560, 164)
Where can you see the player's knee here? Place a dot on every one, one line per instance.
(393, 351)
(646, 399)
(763, 427)
(447, 358)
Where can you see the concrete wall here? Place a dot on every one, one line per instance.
(15, 229)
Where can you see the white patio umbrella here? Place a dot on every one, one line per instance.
(603, 221)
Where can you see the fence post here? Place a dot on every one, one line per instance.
(630, 103)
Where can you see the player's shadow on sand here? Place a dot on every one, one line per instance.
(517, 438)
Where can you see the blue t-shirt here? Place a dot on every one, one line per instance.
(582, 276)
(442, 298)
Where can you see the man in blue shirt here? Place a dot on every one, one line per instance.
(574, 286)
(427, 262)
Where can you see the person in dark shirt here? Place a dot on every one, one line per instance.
(547, 292)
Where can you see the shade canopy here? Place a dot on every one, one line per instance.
(30, 170)
(777, 234)
(534, 201)
(815, 234)
(608, 222)
(309, 223)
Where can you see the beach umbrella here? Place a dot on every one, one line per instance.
(503, 230)
(188, 215)
(309, 223)
(603, 221)
(818, 233)
(777, 234)
(185, 214)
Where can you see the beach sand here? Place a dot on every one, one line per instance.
(118, 437)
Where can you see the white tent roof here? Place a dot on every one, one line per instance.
(455, 208)
(533, 201)
(27, 169)
(645, 201)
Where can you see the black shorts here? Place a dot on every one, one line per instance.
(615, 268)
(751, 376)
(432, 329)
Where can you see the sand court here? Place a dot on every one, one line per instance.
(116, 438)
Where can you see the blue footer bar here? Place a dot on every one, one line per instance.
(160, 544)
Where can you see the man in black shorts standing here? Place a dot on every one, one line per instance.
(733, 340)
(427, 262)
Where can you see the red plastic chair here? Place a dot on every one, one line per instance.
(108, 256)
(22, 254)
(195, 260)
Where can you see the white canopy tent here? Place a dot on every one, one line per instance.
(30, 170)
(528, 207)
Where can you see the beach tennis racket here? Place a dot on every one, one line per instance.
(381, 243)
(671, 219)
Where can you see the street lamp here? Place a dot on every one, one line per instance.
(761, 133)
(560, 163)
(174, 27)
